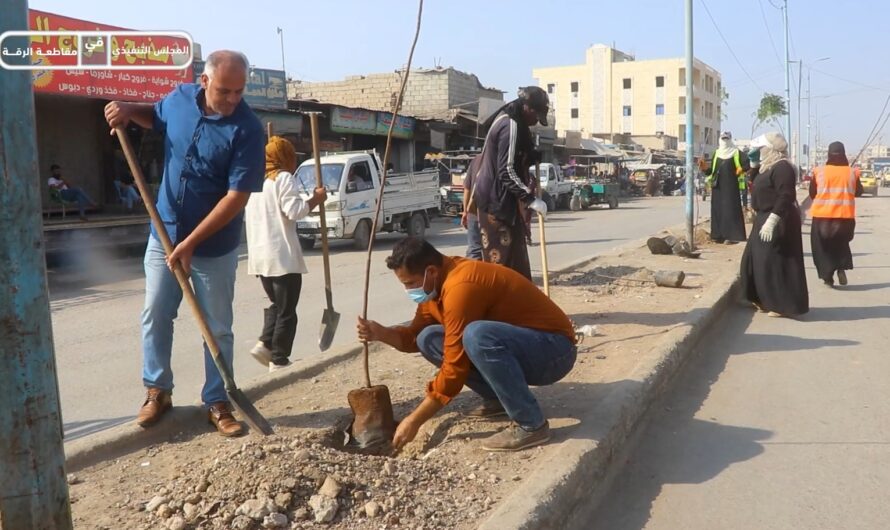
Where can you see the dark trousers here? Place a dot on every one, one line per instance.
(280, 324)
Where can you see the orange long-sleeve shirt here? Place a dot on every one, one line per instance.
(472, 291)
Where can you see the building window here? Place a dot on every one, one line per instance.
(659, 110)
(626, 110)
(682, 77)
(682, 133)
(682, 106)
(574, 113)
(574, 86)
(659, 81)
(551, 88)
(627, 83)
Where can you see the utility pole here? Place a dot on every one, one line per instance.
(810, 165)
(33, 489)
(788, 132)
(283, 66)
(690, 130)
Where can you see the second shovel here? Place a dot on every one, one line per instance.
(330, 318)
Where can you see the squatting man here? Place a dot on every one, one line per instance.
(484, 326)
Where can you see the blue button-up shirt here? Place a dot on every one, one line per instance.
(204, 158)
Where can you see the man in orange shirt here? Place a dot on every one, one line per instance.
(485, 326)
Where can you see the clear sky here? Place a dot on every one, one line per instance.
(501, 41)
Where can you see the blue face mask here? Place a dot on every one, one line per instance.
(418, 295)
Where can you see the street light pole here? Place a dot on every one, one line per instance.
(281, 35)
(690, 130)
(790, 136)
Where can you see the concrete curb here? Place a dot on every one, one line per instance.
(129, 437)
(569, 475)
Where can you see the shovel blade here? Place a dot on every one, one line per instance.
(330, 319)
(249, 413)
(373, 425)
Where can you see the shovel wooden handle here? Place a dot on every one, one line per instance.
(541, 234)
(181, 276)
(319, 182)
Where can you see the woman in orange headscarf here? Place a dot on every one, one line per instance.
(273, 250)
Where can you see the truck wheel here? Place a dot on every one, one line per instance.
(362, 235)
(551, 204)
(613, 202)
(307, 243)
(417, 225)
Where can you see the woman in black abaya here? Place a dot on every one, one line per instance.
(772, 270)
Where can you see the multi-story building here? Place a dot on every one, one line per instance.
(613, 93)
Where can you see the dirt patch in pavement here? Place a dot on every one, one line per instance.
(299, 479)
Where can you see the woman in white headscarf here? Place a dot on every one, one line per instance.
(773, 274)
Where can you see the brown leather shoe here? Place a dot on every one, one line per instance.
(157, 402)
(221, 417)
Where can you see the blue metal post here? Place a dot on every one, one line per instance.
(690, 130)
(33, 489)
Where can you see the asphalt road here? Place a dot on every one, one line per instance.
(96, 308)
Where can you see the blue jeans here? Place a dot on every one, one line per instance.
(79, 196)
(128, 194)
(214, 283)
(506, 360)
(474, 238)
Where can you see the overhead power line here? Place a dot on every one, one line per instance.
(728, 47)
(768, 32)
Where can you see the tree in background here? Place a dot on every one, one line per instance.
(772, 107)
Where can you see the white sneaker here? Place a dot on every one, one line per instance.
(275, 367)
(261, 353)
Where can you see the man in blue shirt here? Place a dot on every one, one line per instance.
(214, 158)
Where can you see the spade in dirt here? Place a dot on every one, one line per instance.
(330, 319)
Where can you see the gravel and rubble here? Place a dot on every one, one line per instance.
(301, 477)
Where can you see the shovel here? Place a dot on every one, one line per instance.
(543, 239)
(250, 414)
(330, 318)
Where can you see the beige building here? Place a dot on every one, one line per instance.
(613, 93)
(430, 93)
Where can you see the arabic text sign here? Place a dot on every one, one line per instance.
(266, 89)
(404, 126)
(125, 50)
(132, 66)
(349, 121)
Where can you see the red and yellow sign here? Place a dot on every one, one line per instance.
(116, 50)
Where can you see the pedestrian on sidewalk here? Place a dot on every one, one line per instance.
(273, 250)
(68, 192)
(726, 177)
(502, 193)
(772, 270)
(833, 190)
(470, 217)
(213, 161)
(484, 326)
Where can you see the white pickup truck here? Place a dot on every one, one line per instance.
(352, 180)
(556, 191)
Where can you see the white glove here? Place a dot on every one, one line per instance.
(769, 228)
(539, 206)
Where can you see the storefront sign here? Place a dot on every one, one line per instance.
(128, 85)
(404, 128)
(353, 121)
